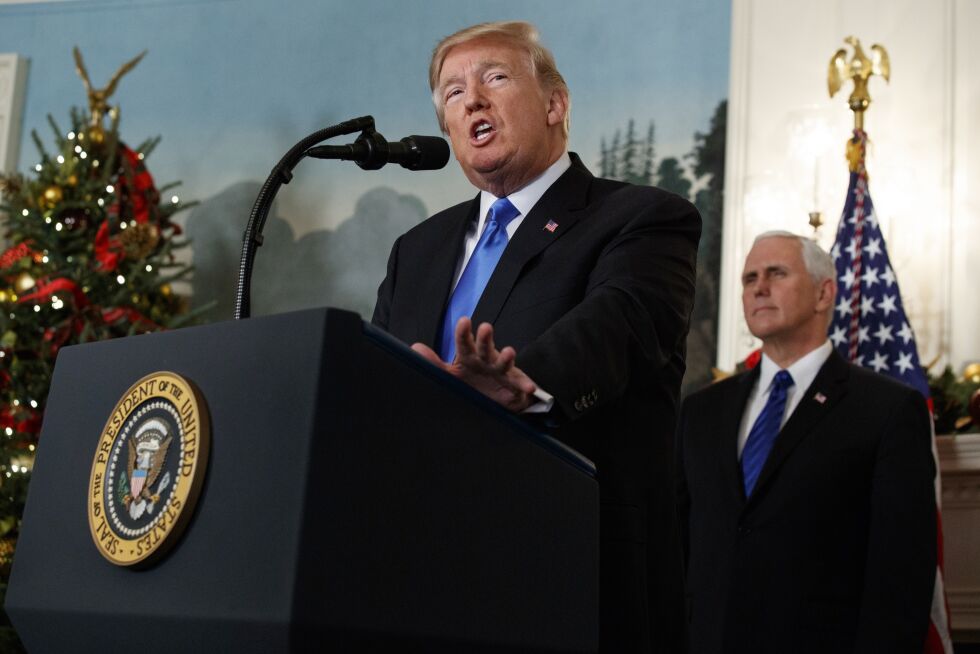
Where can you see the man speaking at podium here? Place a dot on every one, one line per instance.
(581, 290)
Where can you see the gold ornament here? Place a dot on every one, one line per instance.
(5, 295)
(972, 372)
(7, 546)
(24, 282)
(140, 240)
(96, 134)
(24, 461)
(165, 290)
(51, 197)
(72, 180)
(717, 374)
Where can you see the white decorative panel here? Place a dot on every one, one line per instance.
(13, 74)
(959, 458)
(964, 309)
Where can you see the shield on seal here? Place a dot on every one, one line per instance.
(136, 482)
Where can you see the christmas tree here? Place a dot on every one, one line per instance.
(90, 256)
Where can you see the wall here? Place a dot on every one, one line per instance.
(924, 154)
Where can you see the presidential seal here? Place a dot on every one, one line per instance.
(148, 469)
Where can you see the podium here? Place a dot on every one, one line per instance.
(356, 499)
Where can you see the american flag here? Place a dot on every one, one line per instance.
(870, 327)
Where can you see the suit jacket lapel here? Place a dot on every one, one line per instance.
(824, 393)
(434, 296)
(732, 414)
(562, 204)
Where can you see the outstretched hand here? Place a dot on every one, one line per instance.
(481, 365)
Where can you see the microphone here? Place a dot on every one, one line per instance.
(371, 151)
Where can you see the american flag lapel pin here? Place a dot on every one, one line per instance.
(820, 397)
(551, 226)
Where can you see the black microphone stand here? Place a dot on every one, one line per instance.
(281, 174)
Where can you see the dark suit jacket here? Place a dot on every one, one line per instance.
(598, 312)
(835, 551)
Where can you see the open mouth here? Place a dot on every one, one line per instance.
(481, 131)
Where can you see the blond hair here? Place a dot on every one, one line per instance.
(521, 35)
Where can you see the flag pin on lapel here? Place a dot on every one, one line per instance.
(551, 226)
(820, 397)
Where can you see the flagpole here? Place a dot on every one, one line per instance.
(868, 289)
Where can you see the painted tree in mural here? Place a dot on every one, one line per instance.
(607, 156)
(628, 169)
(621, 159)
(648, 157)
(90, 257)
(708, 165)
(670, 177)
(629, 159)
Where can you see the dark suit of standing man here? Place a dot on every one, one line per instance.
(590, 302)
(834, 548)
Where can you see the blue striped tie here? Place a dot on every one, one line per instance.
(764, 431)
(476, 274)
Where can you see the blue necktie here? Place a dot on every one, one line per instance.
(764, 431)
(477, 273)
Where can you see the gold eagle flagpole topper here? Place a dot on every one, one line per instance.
(859, 70)
(98, 99)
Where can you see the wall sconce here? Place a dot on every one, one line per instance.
(810, 137)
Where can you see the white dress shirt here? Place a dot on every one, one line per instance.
(523, 200)
(803, 371)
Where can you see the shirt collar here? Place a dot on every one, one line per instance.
(525, 198)
(803, 371)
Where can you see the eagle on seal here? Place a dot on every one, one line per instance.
(147, 454)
